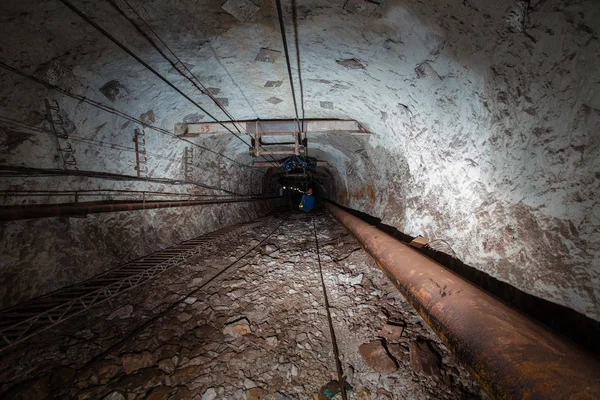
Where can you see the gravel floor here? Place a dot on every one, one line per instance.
(258, 330)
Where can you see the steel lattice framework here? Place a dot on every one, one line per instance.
(25, 320)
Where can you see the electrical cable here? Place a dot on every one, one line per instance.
(336, 352)
(141, 327)
(195, 81)
(287, 59)
(18, 171)
(97, 193)
(198, 84)
(297, 43)
(91, 142)
(114, 111)
(146, 65)
(142, 62)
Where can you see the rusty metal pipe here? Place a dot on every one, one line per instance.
(510, 355)
(11, 213)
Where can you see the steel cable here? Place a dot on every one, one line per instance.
(146, 65)
(114, 111)
(287, 59)
(297, 43)
(194, 79)
(140, 328)
(336, 352)
(18, 171)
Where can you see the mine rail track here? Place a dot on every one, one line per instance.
(25, 320)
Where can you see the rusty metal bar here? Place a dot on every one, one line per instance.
(511, 356)
(10, 213)
(273, 127)
(263, 164)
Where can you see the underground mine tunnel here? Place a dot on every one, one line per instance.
(155, 156)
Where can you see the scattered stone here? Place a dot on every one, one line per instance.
(167, 365)
(135, 361)
(330, 390)
(364, 394)
(376, 357)
(423, 358)
(197, 281)
(114, 90)
(327, 104)
(184, 375)
(255, 394)
(159, 393)
(60, 376)
(357, 280)
(210, 394)
(268, 55)
(271, 341)
(199, 360)
(237, 328)
(391, 332)
(107, 370)
(301, 337)
(33, 389)
(249, 384)
(283, 354)
(397, 351)
(114, 396)
(240, 9)
(183, 317)
(121, 313)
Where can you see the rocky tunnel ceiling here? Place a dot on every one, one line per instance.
(485, 117)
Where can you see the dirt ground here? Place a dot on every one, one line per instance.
(226, 325)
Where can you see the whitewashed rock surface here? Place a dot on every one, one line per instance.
(486, 115)
(259, 331)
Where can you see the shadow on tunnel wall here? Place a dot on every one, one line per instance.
(577, 327)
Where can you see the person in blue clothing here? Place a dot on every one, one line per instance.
(308, 201)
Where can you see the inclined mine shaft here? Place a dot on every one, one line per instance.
(299, 199)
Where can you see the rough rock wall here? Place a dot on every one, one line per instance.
(486, 127)
(39, 256)
(42, 255)
(502, 149)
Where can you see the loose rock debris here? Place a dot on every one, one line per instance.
(257, 331)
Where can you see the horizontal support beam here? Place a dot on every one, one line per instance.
(511, 356)
(264, 164)
(272, 127)
(11, 213)
(258, 153)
